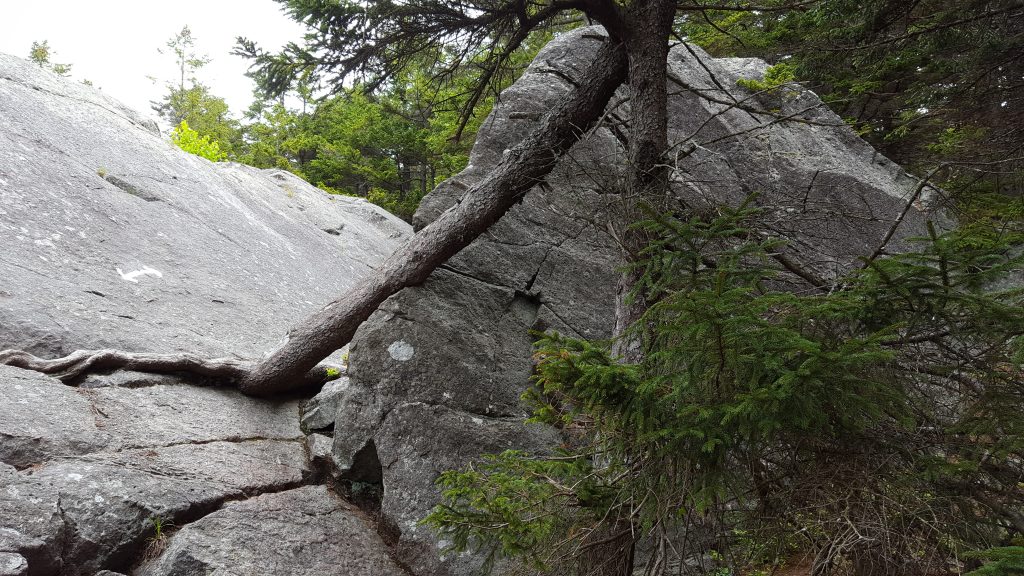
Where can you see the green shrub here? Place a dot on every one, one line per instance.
(1006, 561)
(778, 75)
(190, 141)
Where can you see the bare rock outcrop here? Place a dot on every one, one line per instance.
(113, 237)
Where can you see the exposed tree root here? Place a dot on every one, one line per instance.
(232, 372)
(80, 362)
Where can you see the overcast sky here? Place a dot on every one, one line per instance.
(114, 43)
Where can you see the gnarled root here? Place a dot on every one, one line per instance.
(81, 362)
(231, 372)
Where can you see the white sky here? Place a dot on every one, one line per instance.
(114, 43)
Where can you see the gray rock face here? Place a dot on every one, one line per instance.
(436, 373)
(115, 238)
(316, 533)
(112, 237)
(74, 505)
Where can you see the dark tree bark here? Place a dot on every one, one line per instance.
(648, 26)
(645, 28)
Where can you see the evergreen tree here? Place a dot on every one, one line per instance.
(875, 428)
(390, 145)
(189, 101)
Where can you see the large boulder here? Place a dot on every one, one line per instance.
(112, 237)
(314, 529)
(436, 373)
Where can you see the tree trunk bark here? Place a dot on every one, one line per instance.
(648, 26)
(524, 166)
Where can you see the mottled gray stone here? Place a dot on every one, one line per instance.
(13, 564)
(113, 237)
(550, 263)
(319, 412)
(303, 532)
(40, 419)
(318, 446)
(165, 415)
(77, 515)
(132, 379)
(31, 522)
(412, 457)
(98, 465)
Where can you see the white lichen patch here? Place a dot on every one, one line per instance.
(134, 275)
(11, 563)
(401, 351)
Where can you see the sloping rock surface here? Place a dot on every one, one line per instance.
(436, 373)
(112, 237)
(115, 238)
(75, 504)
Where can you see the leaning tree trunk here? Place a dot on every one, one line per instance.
(293, 365)
(522, 168)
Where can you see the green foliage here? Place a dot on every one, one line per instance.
(205, 113)
(182, 47)
(1006, 561)
(157, 543)
(509, 498)
(41, 54)
(391, 145)
(275, 137)
(420, 77)
(774, 77)
(870, 405)
(190, 141)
